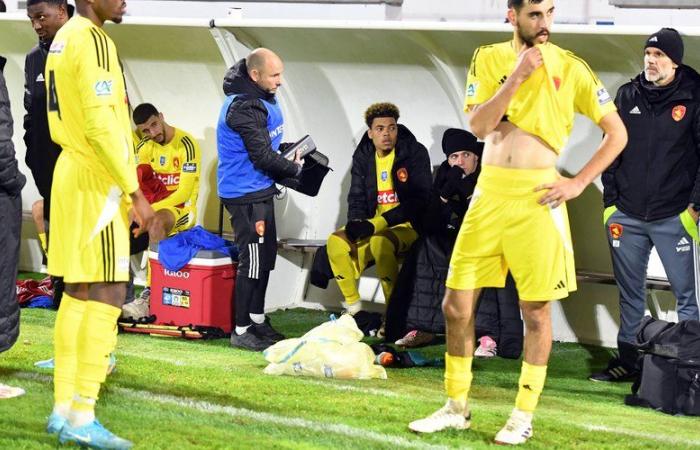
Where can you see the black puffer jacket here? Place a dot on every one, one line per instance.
(657, 175)
(410, 174)
(11, 183)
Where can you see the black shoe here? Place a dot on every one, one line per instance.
(250, 341)
(615, 371)
(265, 330)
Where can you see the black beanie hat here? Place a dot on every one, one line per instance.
(457, 140)
(668, 41)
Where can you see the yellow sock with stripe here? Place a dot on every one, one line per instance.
(387, 264)
(97, 338)
(343, 268)
(530, 386)
(65, 338)
(42, 240)
(458, 376)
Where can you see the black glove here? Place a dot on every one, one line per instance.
(359, 229)
(452, 182)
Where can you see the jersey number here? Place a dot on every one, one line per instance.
(53, 97)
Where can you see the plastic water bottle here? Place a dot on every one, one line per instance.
(384, 359)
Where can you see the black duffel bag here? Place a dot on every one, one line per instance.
(313, 171)
(670, 367)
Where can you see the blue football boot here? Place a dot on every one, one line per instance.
(93, 435)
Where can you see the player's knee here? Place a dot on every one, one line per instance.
(454, 309)
(338, 245)
(536, 316)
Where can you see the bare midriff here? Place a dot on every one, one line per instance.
(510, 147)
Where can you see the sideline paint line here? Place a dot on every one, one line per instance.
(660, 438)
(294, 422)
(345, 387)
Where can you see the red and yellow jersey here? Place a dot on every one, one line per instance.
(544, 105)
(387, 198)
(87, 104)
(177, 164)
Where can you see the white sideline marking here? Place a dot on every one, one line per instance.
(653, 437)
(295, 422)
(345, 387)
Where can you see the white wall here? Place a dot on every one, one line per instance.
(334, 70)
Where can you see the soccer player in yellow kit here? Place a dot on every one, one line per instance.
(94, 186)
(521, 97)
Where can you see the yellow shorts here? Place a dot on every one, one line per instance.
(185, 218)
(89, 226)
(506, 229)
(402, 235)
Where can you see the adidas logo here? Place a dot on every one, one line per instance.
(653, 39)
(635, 110)
(683, 245)
(339, 277)
(683, 241)
(502, 80)
(40, 78)
(560, 285)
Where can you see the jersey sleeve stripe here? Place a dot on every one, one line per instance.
(104, 38)
(189, 148)
(97, 48)
(141, 144)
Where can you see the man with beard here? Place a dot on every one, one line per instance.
(173, 157)
(521, 98)
(47, 17)
(248, 134)
(652, 191)
(94, 187)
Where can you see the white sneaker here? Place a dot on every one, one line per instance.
(138, 308)
(453, 415)
(487, 348)
(517, 430)
(352, 308)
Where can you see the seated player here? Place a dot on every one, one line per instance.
(173, 157)
(390, 185)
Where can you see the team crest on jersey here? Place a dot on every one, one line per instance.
(603, 96)
(402, 175)
(384, 175)
(103, 88)
(189, 167)
(176, 162)
(616, 230)
(557, 82)
(471, 89)
(162, 160)
(678, 113)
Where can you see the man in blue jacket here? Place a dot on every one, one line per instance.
(249, 133)
(652, 191)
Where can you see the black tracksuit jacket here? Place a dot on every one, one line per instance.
(656, 176)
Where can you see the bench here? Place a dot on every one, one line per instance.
(653, 284)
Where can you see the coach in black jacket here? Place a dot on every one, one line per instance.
(11, 183)
(390, 186)
(652, 191)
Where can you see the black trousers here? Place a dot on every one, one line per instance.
(10, 227)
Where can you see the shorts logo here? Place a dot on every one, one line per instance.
(163, 160)
(260, 227)
(603, 96)
(402, 175)
(176, 162)
(471, 89)
(616, 230)
(678, 112)
(557, 82)
(103, 88)
(384, 175)
(189, 167)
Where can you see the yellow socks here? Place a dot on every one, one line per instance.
(96, 340)
(343, 267)
(530, 386)
(384, 253)
(42, 240)
(68, 320)
(458, 376)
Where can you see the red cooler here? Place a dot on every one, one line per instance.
(201, 293)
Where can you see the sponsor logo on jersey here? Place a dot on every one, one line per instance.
(603, 96)
(189, 167)
(57, 47)
(471, 89)
(103, 88)
(387, 197)
(678, 113)
(384, 176)
(169, 179)
(616, 230)
(402, 175)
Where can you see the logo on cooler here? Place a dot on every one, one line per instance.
(178, 274)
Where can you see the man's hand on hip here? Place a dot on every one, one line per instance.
(560, 191)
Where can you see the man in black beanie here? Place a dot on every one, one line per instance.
(652, 190)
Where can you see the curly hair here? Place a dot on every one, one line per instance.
(384, 109)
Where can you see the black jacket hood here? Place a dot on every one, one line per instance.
(686, 82)
(238, 82)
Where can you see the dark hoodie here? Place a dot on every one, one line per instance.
(656, 176)
(248, 116)
(410, 174)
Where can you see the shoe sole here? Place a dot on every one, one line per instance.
(465, 426)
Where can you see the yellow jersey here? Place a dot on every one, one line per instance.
(177, 164)
(387, 198)
(87, 104)
(544, 105)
